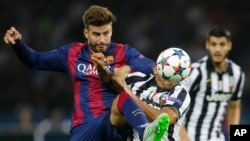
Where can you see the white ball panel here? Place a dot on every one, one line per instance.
(168, 71)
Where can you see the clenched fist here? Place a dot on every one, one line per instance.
(11, 36)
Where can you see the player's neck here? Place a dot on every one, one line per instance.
(221, 66)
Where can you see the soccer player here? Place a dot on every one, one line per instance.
(154, 94)
(91, 119)
(215, 86)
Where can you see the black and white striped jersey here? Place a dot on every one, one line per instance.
(144, 87)
(210, 92)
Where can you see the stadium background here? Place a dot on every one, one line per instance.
(27, 96)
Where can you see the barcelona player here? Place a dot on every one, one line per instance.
(92, 100)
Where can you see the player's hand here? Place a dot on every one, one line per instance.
(123, 84)
(98, 59)
(11, 36)
(121, 72)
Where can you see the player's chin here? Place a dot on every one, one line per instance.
(217, 59)
(101, 49)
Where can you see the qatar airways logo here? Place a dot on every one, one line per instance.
(89, 69)
(218, 96)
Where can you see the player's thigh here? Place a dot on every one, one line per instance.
(97, 130)
(84, 131)
(92, 129)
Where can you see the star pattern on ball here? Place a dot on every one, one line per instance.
(178, 53)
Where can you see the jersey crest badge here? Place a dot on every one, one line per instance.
(109, 59)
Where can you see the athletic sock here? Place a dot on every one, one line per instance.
(134, 115)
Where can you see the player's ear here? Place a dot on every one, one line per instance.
(207, 44)
(230, 45)
(155, 70)
(85, 33)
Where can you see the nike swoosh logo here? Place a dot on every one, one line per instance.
(208, 80)
(150, 131)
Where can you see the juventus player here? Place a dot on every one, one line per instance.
(215, 86)
(155, 96)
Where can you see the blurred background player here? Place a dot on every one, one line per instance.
(57, 123)
(215, 86)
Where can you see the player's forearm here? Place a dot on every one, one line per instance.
(233, 113)
(106, 78)
(233, 116)
(183, 134)
(122, 72)
(104, 74)
(27, 55)
(152, 113)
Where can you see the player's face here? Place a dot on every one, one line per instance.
(163, 83)
(99, 37)
(218, 48)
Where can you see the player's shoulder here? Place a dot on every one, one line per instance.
(118, 44)
(77, 44)
(70, 46)
(73, 45)
(180, 91)
(235, 66)
(199, 62)
(74, 48)
(121, 45)
(181, 87)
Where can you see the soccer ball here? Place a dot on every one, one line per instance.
(173, 64)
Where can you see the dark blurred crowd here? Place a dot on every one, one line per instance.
(149, 26)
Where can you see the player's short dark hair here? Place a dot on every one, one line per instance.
(97, 16)
(219, 31)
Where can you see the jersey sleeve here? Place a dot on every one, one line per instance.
(237, 94)
(179, 100)
(54, 60)
(137, 61)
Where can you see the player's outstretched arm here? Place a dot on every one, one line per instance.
(12, 36)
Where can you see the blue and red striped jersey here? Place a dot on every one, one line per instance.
(91, 97)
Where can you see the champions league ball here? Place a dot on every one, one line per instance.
(173, 64)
